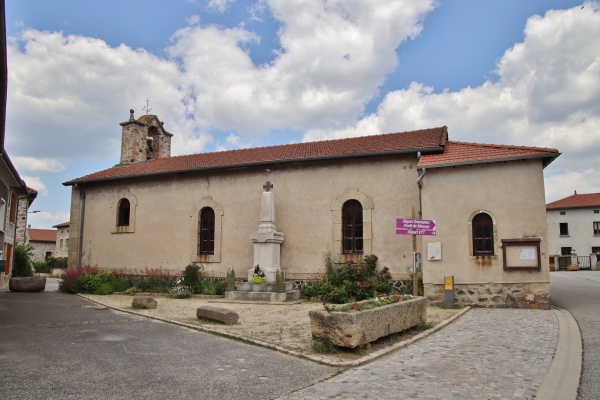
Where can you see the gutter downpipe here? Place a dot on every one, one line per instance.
(81, 219)
(420, 184)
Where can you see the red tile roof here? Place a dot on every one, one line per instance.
(576, 201)
(41, 235)
(64, 224)
(461, 153)
(425, 140)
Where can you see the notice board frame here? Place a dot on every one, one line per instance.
(521, 254)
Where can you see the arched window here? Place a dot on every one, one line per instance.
(483, 235)
(206, 231)
(124, 211)
(352, 227)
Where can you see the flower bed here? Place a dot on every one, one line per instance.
(356, 327)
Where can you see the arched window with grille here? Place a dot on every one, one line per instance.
(206, 231)
(124, 213)
(483, 235)
(352, 227)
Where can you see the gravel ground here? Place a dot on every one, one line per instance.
(283, 325)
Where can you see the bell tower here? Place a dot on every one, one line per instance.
(144, 139)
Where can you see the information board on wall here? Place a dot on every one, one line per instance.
(521, 254)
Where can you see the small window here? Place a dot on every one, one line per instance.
(564, 229)
(596, 211)
(61, 243)
(206, 231)
(13, 209)
(124, 211)
(596, 228)
(562, 212)
(483, 235)
(596, 249)
(352, 227)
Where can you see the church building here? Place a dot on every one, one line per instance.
(472, 213)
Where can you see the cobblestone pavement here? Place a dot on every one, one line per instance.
(486, 354)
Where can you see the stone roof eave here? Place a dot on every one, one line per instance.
(549, 156)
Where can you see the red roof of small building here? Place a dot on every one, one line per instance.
(576, 201)
(425, 140)
(462, 153)
(41, 235)
(64, 224)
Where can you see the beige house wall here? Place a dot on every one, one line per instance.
(308, 198)
(513, 194)
(62, 241)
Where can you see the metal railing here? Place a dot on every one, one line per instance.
(585, 262)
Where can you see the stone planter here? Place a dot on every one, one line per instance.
(351, 329)
(27, 284)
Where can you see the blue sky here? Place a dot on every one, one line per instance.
(225, 74)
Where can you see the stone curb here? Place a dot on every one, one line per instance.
(341, 364)
(562, 380)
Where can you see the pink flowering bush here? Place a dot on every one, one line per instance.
(353, 281)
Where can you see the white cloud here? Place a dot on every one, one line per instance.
(219, 5)
(547, 94)
(69, 93)
(46, 219)
(37, 164)
(36, 183)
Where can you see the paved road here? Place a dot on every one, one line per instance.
(58, 346)
(486, 354)
(579, 292)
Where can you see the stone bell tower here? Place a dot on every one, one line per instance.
(144, 139)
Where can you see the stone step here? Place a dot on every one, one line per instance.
(261, 287)
(272, 297)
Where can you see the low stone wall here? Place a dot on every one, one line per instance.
(494, 295)
(351, 329)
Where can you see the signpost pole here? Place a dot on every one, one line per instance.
(415, 277)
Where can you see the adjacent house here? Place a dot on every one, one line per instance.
(62, 239)
(43, 243)
(482, 206)
(574, 229)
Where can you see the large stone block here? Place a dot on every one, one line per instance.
(145, 302)
(351, 329)
(27, 284)
(218, 314)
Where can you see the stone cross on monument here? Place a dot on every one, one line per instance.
(267, 241)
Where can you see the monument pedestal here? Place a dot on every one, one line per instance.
(262, 292)
(267, 244)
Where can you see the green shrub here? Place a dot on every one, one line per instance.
(351, 281)
(57, 262)
(72, 281)
(213, 286)
(105, 288)
(91, 282)
(180, 292)
(120, 283)
(41, 267)
(22, 260)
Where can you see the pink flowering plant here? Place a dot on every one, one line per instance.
(353, 281)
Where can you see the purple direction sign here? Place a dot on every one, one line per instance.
(405, 226)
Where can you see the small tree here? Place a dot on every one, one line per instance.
(22, 260)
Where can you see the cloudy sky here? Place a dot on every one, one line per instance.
(226, 74)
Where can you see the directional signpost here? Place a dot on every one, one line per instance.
(423, 227)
